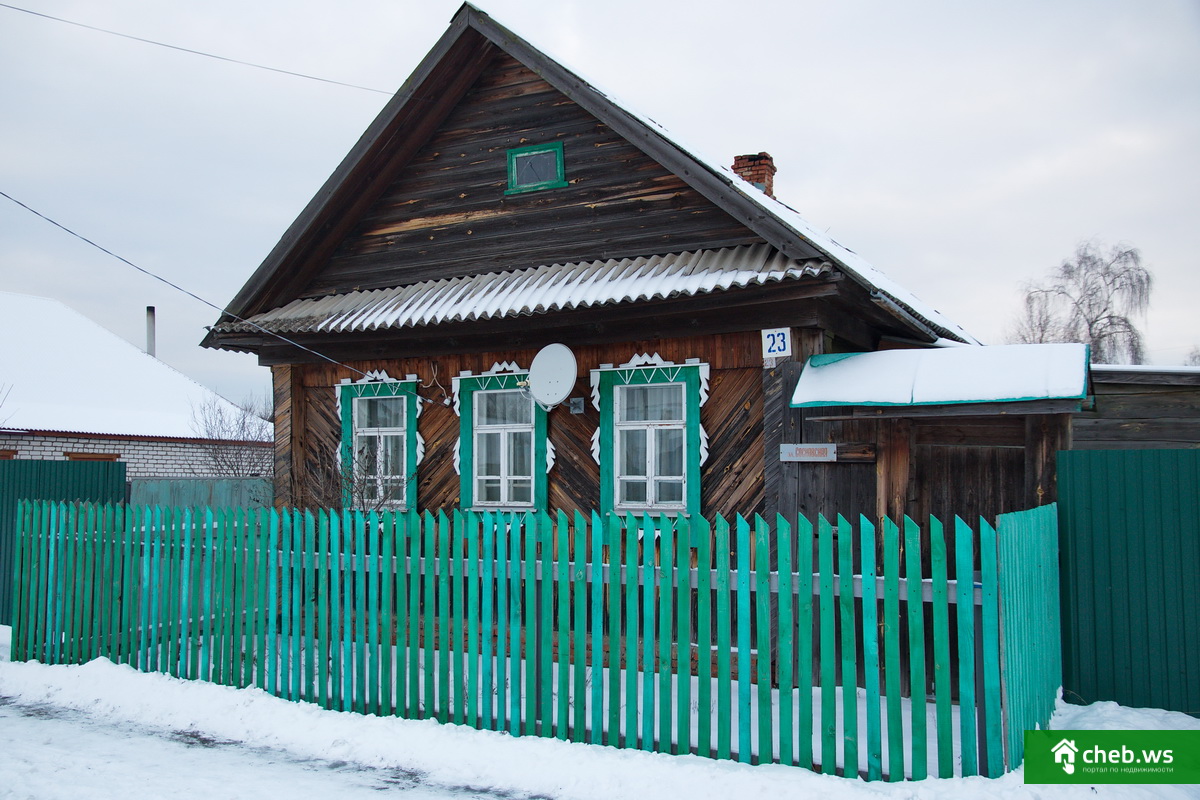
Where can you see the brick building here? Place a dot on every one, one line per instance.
(72, 390)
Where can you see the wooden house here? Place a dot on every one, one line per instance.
(500, 203)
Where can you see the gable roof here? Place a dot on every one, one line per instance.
(428, 96)
(70, 375)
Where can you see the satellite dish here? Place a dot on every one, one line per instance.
(552, 375)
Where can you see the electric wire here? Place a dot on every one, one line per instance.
(195, 52)
(179, 288)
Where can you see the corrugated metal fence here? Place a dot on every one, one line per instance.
(95, 481)
(789, 642)
(1131, 577)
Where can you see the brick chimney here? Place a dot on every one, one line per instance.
(758, 169)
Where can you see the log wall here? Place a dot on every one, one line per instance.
(308, 431)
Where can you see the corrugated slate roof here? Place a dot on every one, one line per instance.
(545, 289)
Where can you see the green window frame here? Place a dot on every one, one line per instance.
(536, 167)
(380, 447)
(514, 478)
(650, 444)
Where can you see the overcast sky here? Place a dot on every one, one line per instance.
(962, 148)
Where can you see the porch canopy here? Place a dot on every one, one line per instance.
(1043, 377)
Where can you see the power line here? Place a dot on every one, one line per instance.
(178, 288)
(195, 52)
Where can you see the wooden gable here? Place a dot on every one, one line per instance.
(421, 198)
(447, 215)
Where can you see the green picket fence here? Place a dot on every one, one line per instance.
(844, 648)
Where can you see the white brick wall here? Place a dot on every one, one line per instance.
(144, 458)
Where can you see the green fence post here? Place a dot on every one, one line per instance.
(964, 569)
(941, 649)
(891, 648)
(762, 603)
(828, 648)
(845, 547)
(683, 639)
(702, 535)
(870, 628)
(916, 647)
(993, 722)
(721, 551)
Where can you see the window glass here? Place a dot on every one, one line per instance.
(536, 167)
(380, 412)
(632, 451)
(668, 451)
(651, 403)
(503, 408)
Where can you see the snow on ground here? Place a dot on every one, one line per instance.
(103, 730)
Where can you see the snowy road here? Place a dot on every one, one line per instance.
(99, 730)
(52, 752)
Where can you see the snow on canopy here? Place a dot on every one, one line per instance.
(63, 372)
(999, 373)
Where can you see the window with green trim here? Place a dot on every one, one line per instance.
(380, 444)
(650, 444)
(502, 443)
(536, 167)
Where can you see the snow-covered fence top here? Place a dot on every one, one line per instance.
(835, 647)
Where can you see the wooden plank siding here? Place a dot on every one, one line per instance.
(731, 479)
(447, 215)
(1135, 411)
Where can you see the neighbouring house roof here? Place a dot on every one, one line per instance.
(557, 287)
(1001, 373)
(70, 375)
(270, 296)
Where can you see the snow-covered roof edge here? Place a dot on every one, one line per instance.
(130, 393)
(941, 376)
(855, 265)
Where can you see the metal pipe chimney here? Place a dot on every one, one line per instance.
(150, 330)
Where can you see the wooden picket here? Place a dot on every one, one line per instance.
(718, 639)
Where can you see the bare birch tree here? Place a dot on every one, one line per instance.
(227, 430)
(1091, 298)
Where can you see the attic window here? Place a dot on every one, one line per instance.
(536, 167)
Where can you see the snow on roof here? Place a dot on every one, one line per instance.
(63, 372)
(538, 290)
(856, 265)
(1000, 373)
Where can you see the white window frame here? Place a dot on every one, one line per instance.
(653, 429)
(380, 480)
(650, 370)
(377, 385)
(479, 429)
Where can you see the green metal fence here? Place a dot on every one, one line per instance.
(95, 481)
(807, 643)
(214, 492)
(1131, 577)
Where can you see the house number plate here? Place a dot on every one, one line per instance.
(777, 342)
